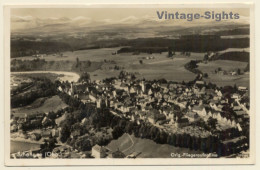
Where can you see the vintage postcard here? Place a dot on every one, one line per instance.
(167, 84)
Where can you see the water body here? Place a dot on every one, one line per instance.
(17, 146)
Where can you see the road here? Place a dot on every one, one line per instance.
(243, 107)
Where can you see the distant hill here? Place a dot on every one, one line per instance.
(188, 43)
(21, 48)
(238, 31)
(149, 40)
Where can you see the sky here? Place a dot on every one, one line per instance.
(22, 18)
(111, 13)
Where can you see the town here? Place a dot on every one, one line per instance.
(195, 115)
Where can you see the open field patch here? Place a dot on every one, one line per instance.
(148, 66)
(226, 65)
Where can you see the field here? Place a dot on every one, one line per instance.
(18, 78)
(83, 55)
(41, 105)
(235, 50)
(223, 80)
(149, 149)
(52, 75)
(234, 36)
(157, 68)
(154, 66)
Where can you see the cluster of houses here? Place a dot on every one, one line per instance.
(232, 73)
(36, 121)
(18, 120)
(167, 105)
(102, 152)
(162, 103)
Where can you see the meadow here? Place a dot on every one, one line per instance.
(159, 67)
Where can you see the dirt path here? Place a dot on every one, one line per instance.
(131, 145)
(161, 61)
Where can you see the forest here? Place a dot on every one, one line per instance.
(190, 43)
(40, 87)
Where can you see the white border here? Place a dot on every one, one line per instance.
(146, 161)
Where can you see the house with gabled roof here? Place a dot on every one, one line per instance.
(200, 110)
(98, 151)
(235, 96)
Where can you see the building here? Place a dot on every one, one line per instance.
(55, 132)
(98, 151)
(35, 136)
(235, 96)
(241, 88)
(84, 121)
(200, 110)
(151, 118)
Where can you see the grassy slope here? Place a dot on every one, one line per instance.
(53, 103)
(148, 148)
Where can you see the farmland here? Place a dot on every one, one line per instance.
(152, 66)
(227, 65)
(159, 67)
(150, 69)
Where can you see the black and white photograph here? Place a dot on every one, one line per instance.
(128, 83)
